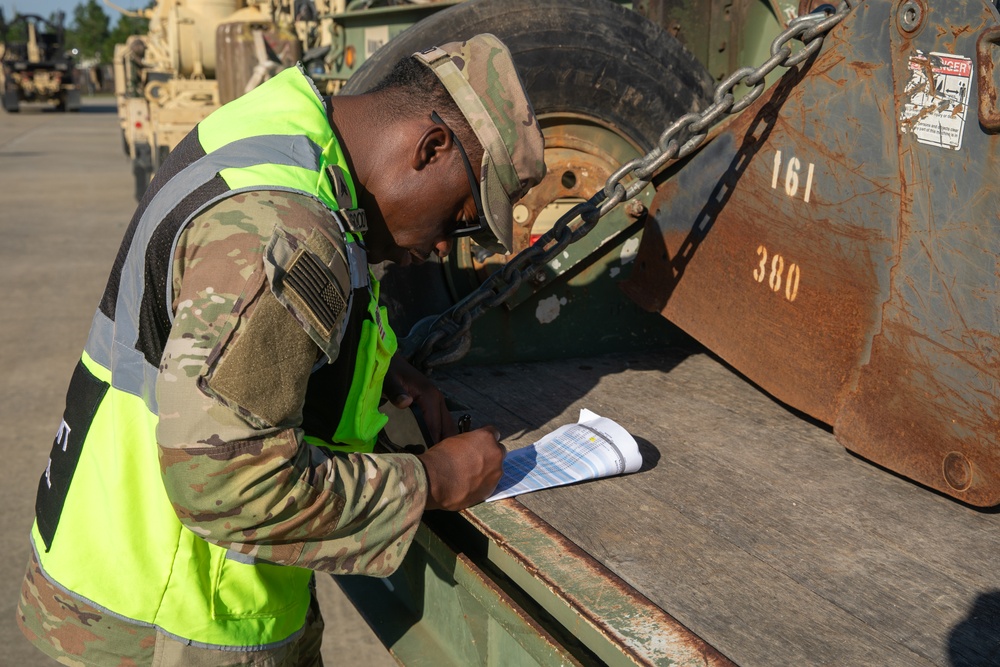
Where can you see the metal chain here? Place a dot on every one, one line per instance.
(446, 338)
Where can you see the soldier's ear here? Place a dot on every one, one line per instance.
(432, 145)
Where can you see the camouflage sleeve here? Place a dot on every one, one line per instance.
(230, 391)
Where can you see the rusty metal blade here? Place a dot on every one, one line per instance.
(835, 245)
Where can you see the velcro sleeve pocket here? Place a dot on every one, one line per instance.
(310, 278)
(264, 370)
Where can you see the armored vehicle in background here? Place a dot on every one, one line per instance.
(197, 56)
(165, 80)
(35, 65)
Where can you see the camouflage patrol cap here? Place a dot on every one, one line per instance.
(480, 76)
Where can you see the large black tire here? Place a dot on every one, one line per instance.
(590, 57)
(73, 101)
(11, 103)
(142, 169)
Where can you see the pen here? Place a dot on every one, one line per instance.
(464, 423)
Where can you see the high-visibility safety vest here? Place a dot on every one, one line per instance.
(105, 530)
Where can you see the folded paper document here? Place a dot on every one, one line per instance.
(593, 447)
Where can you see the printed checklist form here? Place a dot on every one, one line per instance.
(594, 447)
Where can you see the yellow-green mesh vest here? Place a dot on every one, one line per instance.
(105, 530)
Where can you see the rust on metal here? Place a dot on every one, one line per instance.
(989, 114)
(741, 276)
(894, 419)
(635, 209)
(957, 471)
(910, 17)
(602, 600)
(843, 256)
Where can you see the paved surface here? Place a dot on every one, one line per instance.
(65, 201)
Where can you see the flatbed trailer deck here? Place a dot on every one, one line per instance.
(750, 535)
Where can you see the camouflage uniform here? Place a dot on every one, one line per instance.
(353, 513)
(232, 336)
(232, 383)
(75, 633)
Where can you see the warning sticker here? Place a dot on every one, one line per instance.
(937, 99)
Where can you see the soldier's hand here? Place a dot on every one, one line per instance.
(463, 470)
(404, 385)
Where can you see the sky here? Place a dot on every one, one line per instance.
(45, 7)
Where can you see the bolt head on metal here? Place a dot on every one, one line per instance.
(957, 471)
(910, 15)
(635, 208)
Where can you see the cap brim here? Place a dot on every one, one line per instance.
(498, 210)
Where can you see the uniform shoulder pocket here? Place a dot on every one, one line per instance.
(311, 279)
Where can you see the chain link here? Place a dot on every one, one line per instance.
(446, 338)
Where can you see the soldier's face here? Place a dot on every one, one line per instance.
(426, 228)
(430, 200)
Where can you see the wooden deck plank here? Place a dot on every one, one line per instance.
(755, 528)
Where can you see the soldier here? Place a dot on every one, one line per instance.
(216, 446)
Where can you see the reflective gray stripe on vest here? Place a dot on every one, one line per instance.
(238, 557)
(113, 344)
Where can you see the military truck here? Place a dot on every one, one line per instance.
(784, 242)
(198, 55)
(608, 95)
(166, 80)
(34, 63)
(765, 235)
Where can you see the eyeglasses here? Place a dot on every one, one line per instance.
(481, 223)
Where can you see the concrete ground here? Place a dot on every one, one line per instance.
(65, 201)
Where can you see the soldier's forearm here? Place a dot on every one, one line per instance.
(288, 503)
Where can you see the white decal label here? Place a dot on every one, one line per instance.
(937, 99)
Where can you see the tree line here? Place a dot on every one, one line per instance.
(88, 30)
